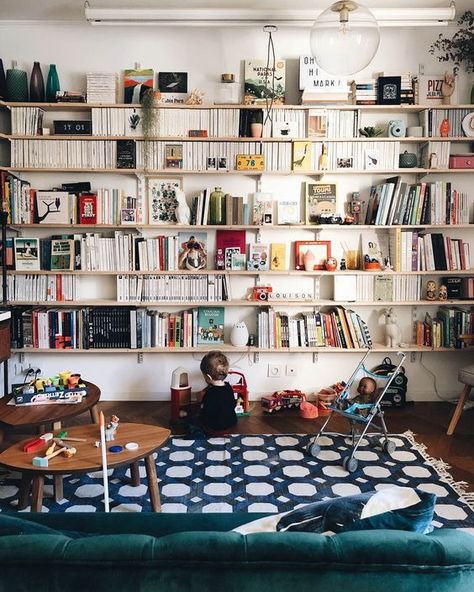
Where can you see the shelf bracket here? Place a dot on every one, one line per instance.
(315, 357)
(256, 358)
(21, 357)
(140, 358)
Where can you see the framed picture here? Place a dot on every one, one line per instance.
(211, 163)
(344, 163)
(222, 163)
(320, 250)
(27, 254)
(128, 216)
(162, 202)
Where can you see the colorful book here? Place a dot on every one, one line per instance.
(302, 156)
(210, 325)
(263, 83)
(320, 201)
(136, 83)
(228, 239)
(278, 256)
(26, 251)
(87, 208)
(259, 255)
(53, 207)
(192, 250)
(62, 255)
(262, 208)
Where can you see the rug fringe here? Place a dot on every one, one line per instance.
(442, 468)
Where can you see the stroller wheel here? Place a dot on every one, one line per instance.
(313, 449)
(389, 446)
(350, 464)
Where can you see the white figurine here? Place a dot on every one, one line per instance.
(392, 330)
(182, 212)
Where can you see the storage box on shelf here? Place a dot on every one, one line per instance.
(153, 288)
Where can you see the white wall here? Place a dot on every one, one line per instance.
(205, 54)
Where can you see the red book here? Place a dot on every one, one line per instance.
(228, 239)
(87, 208)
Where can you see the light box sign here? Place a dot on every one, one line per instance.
(313, 79)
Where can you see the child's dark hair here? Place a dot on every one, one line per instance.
(372, 381)
(216, 364)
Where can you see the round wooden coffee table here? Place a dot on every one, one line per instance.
(88, 459)
(15, 416)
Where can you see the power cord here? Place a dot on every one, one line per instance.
(434, 382)
(271, 63)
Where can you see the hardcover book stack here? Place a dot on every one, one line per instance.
(364, 91)
(42, 288)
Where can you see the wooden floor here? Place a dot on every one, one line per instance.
(427, 420)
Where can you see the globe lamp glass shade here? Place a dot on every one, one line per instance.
(344, 38)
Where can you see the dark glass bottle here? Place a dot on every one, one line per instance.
(36, 84)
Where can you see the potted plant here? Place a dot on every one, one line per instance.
(256, 123)
(458, 49)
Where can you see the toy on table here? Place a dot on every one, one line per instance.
(43, 461)
(282, 400)
(37, 443)
(111, 428)
(64, 387)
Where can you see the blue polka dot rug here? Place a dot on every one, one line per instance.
(260, 473)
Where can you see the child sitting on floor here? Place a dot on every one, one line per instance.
(217, 399)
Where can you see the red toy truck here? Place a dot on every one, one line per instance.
(282, 399)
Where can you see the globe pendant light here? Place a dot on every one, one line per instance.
(344, 38)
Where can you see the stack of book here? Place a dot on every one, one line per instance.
(435, 155)
(27, 121)
(101, 87)
(444, 330)
(339, 327)
(364, 91)
(407, 86)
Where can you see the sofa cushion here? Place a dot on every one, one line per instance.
(11, 525)
(399, 508)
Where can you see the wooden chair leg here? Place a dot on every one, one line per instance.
(458, 411)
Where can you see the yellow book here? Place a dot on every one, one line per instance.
(278, 256)
(302, 156)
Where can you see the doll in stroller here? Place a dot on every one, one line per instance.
(360, 404)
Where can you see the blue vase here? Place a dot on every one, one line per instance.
(52, 84)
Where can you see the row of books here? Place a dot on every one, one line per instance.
(382, 287)
(339, 327)
(63, 154)
(27, 121)
(444, 330)
(362, 156)
(42, 288)
(172, 288)
(435, 155)
(115, 328)
(434, 251)
(434, 117)
(396, 202)
(329, 123)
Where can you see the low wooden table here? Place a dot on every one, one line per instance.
(15, 416)
(88, 459)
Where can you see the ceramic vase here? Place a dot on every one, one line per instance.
(52, 84)
(444, 128)
(36, 84)
(217, 207)
(182, 212)
(3, 83)
(239, 335)
(17, 85)
(256, 130)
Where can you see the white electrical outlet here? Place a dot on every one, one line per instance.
(290, 370)
(274, 370)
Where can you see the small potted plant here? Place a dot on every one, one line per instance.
(256, 123)
(458, 49)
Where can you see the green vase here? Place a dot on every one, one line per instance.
(217, 207)
(52, 84)
(17, 85)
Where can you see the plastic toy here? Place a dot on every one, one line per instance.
(241, 393)
(282, 400)
(37, 443)
(43, 461)
(111, 428)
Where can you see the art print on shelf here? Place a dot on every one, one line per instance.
(212, 163)
(344, 162)
(173, 87)
(210, 326)
(288, 210)
(320, 201)
(389, 90)
(263, 83)
(302, 156)
(321, 251)
(229, 253)
(136, 83)
(162, 201)
(259, 257)
(174, 156)
(192, 250)
(287, 129)
(317, 123)
(262, 208)
(371, 158)
(238, 261)
(53, 207)
(27, 254)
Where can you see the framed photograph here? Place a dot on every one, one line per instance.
(344, 163)
(27, 256)
(128, 216)
(192, 250)
(212, 163)
(162, 202)
(222, 163)
(173, 82)
(320, 201)
(320, 250)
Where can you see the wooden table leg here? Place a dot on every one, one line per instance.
(135, 474)
(38, 490)
(24, 491)
(94, 414)
(2, 435)
(152, 479)
(58, 488)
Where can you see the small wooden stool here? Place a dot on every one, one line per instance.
(466, 377)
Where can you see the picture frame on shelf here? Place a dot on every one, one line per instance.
(136, 82)
(211, 163)
(162, 200)
(321, 251)
(128, 216)
(320, 200)
(389, 90)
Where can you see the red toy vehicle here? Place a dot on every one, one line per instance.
(241, 392)
(282, 399)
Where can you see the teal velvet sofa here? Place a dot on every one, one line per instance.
(197, 553)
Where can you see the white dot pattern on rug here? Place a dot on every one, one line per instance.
(260, 473)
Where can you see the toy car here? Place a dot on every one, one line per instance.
(282, 399)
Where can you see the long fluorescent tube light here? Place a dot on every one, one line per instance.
(386, 17)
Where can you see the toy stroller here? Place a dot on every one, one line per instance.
(362, 414)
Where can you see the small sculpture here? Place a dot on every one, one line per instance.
(342, 265)
(443, 293)
(433, 163)
(447, 87)
(323, 159)
(195, 98)
(392, 330)
(111, 428)
(182, 212)
(431, 290)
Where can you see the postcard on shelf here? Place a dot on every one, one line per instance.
(134, 124)
(62, 255)
(229, 253)
(128, 216)
(311, 255)
(371, 158)
(259, 255)
(302, 156)
(345, 288)
(288, 210)
(173, 87)
(262, 208)
(192, 250)
(87, 208)
(53, 207)
(136, 83)
(278, 256)
(225, 240)
(162, 200)
(344, 162)
(259, 80)
(320, 201)
(174, 156)
(27, 254)
(210, 325)
(317, 123)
